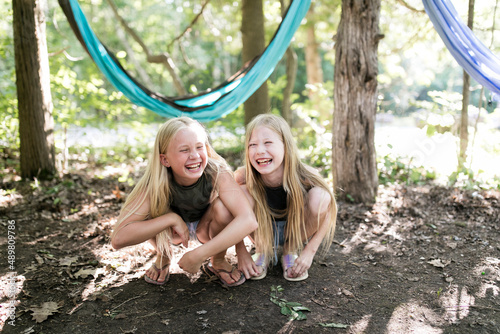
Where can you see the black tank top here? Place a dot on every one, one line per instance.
(277, 201)
(191, 202)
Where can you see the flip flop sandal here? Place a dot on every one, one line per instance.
(155, 282)
(259, 259)
(217, 272)
(288, 261)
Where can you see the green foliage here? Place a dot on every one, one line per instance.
(9, 126)
(313, 133)
(467, 179)
(439, 114)
(294, 310)
(393, 169)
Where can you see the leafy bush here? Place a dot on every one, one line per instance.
(393, 169)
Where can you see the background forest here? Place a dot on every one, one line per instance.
(419, 88)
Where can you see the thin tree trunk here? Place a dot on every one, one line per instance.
(355, 93)
(313, 60)
(464, 120)
(291, 74)
(162, 58)
(36, 124)
(253, 38)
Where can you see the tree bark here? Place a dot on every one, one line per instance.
(313, 68)
(36, 124)
(291, 74)
(464, 119)
(355, 94)
(253, 39)
(313, 60)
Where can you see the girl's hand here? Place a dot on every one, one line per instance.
(246, 264)
(180, 231)
(302, 263)
(190, 263)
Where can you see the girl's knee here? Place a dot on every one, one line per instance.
(220, 213)
(318, 201)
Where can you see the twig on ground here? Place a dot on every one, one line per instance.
(141, 295)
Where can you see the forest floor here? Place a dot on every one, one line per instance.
(423, 259)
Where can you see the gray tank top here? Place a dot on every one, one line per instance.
(191, 202)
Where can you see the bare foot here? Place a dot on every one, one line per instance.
(159, 272)
(226, 272)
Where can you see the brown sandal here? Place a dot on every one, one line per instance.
(156, 282)
(217, 272)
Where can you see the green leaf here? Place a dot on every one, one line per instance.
(286, 311)
(301, 308)
(301, 316)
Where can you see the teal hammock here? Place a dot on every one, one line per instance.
(206, 106)
(470, 53)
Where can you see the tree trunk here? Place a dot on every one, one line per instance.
(36, 125)
(464, 119)
(313, 60)
(253, 38)
(291, 74)
(355, 94)
(314, 69)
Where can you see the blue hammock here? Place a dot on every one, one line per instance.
(208, 105)
(470, 53)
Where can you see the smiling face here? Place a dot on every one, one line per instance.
(266, 153)
(186, 155)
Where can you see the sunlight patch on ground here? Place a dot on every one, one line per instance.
(489, 269)
(456, 302)
(413, 318)
(359, 237)
(9, 292)
(9, 198)
(119, 267)
(361, 325)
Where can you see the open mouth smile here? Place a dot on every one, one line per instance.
(194, 166)
(264, 162)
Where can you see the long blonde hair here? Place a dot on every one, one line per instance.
(155, 183)
(297, 180)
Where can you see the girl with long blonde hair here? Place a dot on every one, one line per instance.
(187, 191)
(294, 206)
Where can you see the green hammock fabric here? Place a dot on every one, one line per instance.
(208, 105)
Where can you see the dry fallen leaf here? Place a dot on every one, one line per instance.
(438, 263)
(42, 312)
(82, 273)
(67, 261)
(347, 293)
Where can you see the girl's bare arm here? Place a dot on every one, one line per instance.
(135, 229)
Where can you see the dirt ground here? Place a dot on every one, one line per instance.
(421, 260)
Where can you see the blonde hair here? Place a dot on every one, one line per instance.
(155, 183)
(297, 180)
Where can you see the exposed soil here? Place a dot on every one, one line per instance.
(421, 260)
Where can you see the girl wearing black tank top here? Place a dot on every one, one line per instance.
(294, 206)
(186, 181)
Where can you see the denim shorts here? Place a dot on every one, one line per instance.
(192, 226)
(279, 233)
